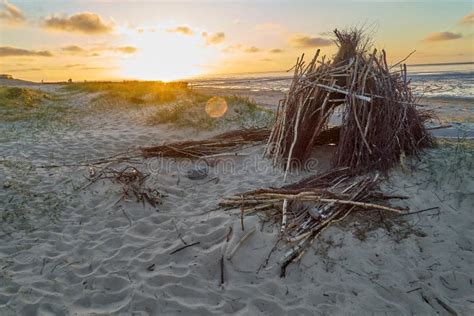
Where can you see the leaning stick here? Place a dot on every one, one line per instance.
(284, 216)
(224, 249)
(242, 214)
(241, 241)
(362, 134)
(295, 138)
(332, 89)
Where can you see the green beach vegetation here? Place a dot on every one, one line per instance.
(20, 104)
(176, 104)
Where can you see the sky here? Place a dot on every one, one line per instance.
(54, 40)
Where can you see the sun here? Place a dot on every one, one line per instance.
(165, 56)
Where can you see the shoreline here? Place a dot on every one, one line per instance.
(457, 112)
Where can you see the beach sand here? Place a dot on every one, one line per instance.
(74, 250)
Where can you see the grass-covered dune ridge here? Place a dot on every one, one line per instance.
(135, 92)
(174, 103)
(20, 104)
(14, 97)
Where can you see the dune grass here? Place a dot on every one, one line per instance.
(133, 92)
(192, 112)
(14, 97)
(175, 103)
(29, 202)
(450, 163)
(20, 104)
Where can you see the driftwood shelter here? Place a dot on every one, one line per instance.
(380, 125)
(380, 120)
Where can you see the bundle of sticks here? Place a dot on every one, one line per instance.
(219, 144)
(306, 208)
(380, 119)
(224, 143)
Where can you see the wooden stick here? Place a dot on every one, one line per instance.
(184, 247)
(295, 138)
(361, 97)
(242, 214)
(306, 197)
(284, 216)
(222, 269)
(224, 249)
(421, 211)
(364, 205)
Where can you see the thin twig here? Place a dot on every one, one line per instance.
(179, 234)
(184, 247)
(421, 211)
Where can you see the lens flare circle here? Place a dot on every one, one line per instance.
(216, 107)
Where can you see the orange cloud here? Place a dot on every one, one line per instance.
(305, 41)
(276, 51)
(468, 19)
(442, 36)
(213, 39)
(73, 49)
(85, 23)
(23, 69)
(241, 48)
(11, 14)
(252, 49)
(126, 49)
(186, 30)
(7, 51)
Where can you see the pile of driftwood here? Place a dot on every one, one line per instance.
(225, 143)
(380, 120)
(306, 208)
(132, 181)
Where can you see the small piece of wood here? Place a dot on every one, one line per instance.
(284, 216)
(184, 247)
(242, 214)
(222, 269)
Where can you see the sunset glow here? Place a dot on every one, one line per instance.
(165, 56)
(97, 40)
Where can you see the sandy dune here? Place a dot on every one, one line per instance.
(78, 251)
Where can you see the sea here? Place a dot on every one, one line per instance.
(448, 89)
